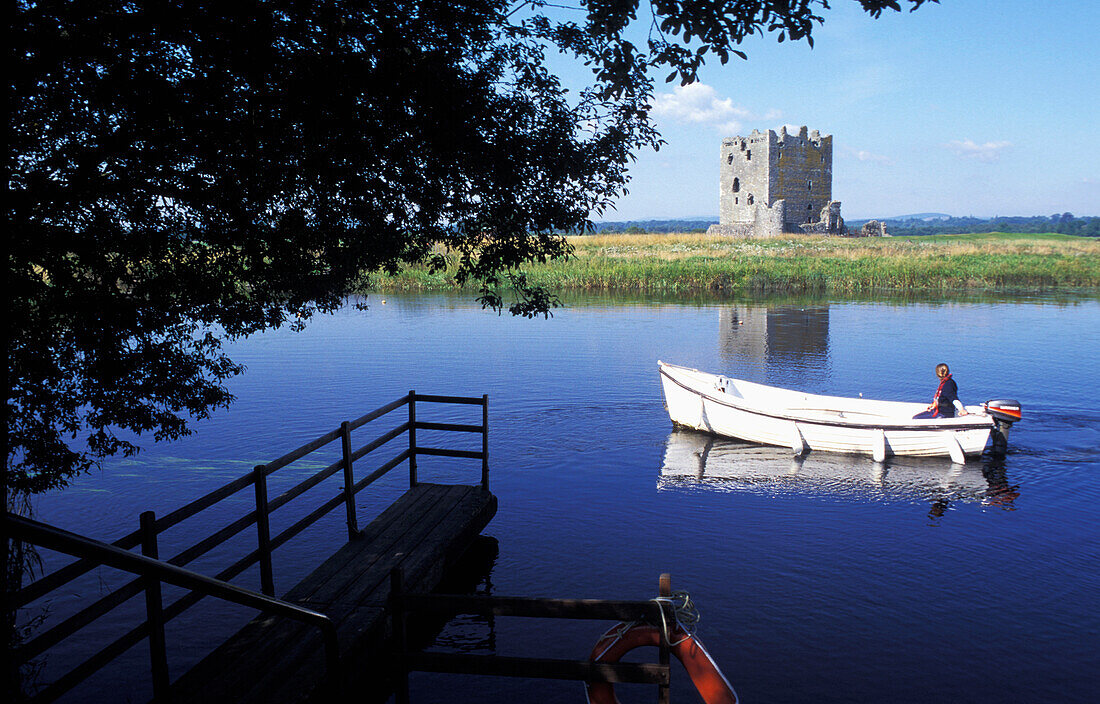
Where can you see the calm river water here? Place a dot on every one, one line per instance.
(826, 581)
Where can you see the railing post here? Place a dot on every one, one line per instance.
(397, 611)
(154, 612)
(485, 442)
(664, 589)
(412, 438)
(349, 480)
(263, 530)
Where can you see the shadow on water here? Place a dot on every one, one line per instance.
(698, 461)
(467, 633)
(473, 574)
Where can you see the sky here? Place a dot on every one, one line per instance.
(969, 107)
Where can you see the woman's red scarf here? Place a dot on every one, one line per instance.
(936, 398)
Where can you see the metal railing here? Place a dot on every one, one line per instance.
(93, 553)
(655, 611)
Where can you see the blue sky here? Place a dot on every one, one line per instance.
(969, 107)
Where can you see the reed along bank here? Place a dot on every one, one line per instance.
(695, 262)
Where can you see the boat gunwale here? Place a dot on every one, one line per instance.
(987, 424)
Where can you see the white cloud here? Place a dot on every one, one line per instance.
(698, 103)
(732, 127)
(863, 155)
(968, 149)
(872, 157)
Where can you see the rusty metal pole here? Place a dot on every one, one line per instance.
(664, 589)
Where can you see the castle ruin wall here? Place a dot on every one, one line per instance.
(802, 174)
(773, 183)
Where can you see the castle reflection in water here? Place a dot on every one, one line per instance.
(779, 345)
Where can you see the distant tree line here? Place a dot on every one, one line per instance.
(1062, 223)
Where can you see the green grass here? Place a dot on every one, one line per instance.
(676, 263)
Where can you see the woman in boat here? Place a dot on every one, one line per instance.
(946, 401)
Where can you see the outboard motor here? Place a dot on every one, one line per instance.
(1004, 412)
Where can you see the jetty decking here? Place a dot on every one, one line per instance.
(310, 644)
(280, 660)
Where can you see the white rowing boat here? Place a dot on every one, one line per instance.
(803, 422)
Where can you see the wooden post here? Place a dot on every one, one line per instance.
(664, 589)
(485, 442)
(263, 531)
(349, 481)
(397, 610)
(412, 438)
(154, 612)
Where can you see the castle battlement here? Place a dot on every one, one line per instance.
(814, 137)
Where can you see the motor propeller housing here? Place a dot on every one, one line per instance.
(1004, 412)
(1003, 409)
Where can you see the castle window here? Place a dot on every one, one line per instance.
(736, 184)
(748, 155)
(749, 201)
(729, 159)
(809, 185)
(735, 201)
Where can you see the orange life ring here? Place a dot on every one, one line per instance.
(712, 685)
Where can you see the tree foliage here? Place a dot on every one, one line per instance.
(186, 172)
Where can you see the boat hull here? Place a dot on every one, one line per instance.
(804, 422)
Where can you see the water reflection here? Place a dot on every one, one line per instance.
(699, 461)
(778, 342)
(472, 574)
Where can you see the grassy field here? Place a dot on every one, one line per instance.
(692, 262)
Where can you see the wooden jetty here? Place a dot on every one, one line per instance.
(282, 660)
(308, 644)
(342, 633)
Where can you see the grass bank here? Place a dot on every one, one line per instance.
(693, 262)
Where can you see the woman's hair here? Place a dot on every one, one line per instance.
(942, 370)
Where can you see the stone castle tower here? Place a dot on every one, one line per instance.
(777, 183)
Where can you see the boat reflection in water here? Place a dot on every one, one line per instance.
(699, 460)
